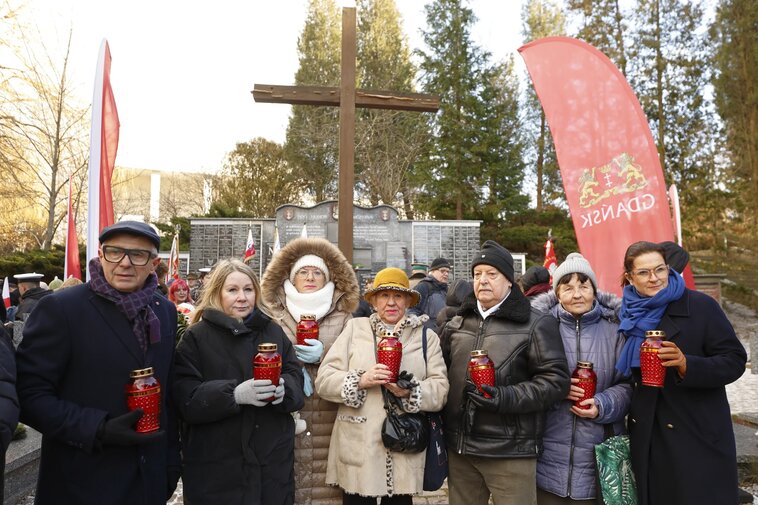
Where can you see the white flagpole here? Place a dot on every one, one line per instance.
(95, 146)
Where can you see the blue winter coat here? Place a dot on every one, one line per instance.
(566, 466)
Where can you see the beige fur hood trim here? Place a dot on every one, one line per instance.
(342, 275)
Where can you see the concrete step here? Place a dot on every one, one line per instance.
(21, 467)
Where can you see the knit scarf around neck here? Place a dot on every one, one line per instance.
(135, 305)
(641, 313)
(382, 329)
(317, 303)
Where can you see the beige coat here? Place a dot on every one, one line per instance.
(312, 447)
(358, 462)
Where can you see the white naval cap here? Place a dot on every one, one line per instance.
(32, 277)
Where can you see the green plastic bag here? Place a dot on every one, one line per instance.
(614, 471)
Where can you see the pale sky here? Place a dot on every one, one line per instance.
(182, 72)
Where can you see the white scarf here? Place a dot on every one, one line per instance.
(317, 303)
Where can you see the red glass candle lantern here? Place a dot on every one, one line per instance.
(267, 364)
(389, 353)
(482, 370)
(587, 381)
(307, 328)
(653, 371)
(144, 392)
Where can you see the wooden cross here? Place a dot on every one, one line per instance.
(347, 98)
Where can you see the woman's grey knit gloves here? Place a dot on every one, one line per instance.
(255, 392)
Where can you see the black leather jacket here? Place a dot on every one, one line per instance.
(530, 369)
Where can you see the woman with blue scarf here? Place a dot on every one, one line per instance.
(682, 442)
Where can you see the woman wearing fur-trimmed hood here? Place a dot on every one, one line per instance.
(312, 276)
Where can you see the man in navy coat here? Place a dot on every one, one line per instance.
(79, 346)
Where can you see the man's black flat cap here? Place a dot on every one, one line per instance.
(131, 228)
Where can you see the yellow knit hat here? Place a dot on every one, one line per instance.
(392, 279)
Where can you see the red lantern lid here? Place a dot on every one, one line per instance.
(478, 353)
(308, 317)
(655, 333)
(584, 364)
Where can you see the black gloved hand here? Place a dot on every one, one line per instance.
(468, 388)
(404, 380)
(492, 404)
(120, 430)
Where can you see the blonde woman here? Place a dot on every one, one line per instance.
(238, 446)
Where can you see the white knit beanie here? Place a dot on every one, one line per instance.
(575, 263)
(309, 260)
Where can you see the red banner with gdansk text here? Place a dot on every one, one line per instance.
(607, 157)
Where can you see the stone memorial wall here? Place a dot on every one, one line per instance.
(212, 239)
(380, 238)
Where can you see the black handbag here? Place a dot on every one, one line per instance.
(403, 431)
(435, 467)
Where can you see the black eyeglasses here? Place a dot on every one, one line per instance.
(138, 257)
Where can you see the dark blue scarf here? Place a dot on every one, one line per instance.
(641, 313)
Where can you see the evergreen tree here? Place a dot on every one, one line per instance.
(453, 67)
(313, 132)
(388, 141)
(542, 18)
(500, 144)
(736, 93)
(601, 24)
(669, 71)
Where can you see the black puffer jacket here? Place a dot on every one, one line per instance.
(229, 448)
(530, 370)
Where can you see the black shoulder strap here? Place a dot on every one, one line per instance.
(423, 342)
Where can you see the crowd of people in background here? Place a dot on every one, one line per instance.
(313, 435)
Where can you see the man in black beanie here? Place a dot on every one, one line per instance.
(433, 291)
(496, 433)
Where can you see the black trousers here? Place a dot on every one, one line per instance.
(354, 499)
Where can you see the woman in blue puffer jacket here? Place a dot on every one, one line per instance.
(589, 329)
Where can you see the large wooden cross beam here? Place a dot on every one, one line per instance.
(347, 98)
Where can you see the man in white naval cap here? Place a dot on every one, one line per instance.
(30, 291)
(197, 291)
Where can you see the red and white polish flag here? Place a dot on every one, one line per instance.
(250, 246)
(104, 133)
(6, 294)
